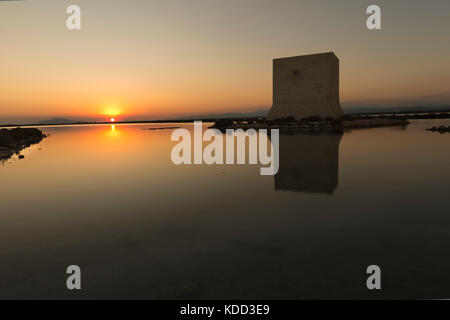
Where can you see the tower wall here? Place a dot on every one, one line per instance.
(306, 86)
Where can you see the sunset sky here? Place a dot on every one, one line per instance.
(147, 59)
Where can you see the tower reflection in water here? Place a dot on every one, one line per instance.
(308, 163)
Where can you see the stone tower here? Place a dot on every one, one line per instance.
(306, 86)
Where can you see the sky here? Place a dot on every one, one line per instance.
(145, 59)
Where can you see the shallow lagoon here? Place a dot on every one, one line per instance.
(109, 199)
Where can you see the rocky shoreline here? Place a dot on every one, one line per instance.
(313, 124)
(12, 141)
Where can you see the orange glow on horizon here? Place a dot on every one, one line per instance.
(112, 110)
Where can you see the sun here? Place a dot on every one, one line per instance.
(112, 119)
(112, 110)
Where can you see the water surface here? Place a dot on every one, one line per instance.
(109, 199)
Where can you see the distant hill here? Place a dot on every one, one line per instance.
(395, 109)
(57, 120)
(252, 114)
(349, 110)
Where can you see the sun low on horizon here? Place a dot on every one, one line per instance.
(112, 111)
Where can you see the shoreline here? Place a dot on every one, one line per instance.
(310, 125)
(445, 114)
(13, 141)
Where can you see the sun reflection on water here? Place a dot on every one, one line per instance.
(113, 132)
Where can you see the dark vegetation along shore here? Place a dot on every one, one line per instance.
(312, 124)
(12, 141)
(440, 129)
(162, 128)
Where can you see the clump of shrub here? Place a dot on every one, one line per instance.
(313, 119)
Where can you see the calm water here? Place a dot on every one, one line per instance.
(110, 200)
